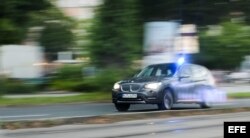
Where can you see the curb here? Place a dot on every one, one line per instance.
(104, 119)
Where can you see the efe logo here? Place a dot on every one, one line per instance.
(236, 129)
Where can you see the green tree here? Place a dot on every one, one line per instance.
(15, 18)
(200, 12)
(226, 49)
(56, 37)
(57, 34)
(115, 36)
(9, 32)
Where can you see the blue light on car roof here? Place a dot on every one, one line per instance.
(181, 60)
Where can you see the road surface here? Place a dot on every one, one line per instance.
(202, 126)
(89, 109)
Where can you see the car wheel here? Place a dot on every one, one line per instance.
(205, 105)
(167, 102)
(204, 94)
(122, 107)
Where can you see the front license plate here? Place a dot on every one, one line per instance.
(129, 96)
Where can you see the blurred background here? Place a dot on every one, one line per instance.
(84, 45)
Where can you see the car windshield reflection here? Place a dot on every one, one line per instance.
(166, 70)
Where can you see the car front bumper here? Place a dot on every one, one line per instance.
(142, 98)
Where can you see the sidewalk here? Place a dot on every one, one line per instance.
(233, 84)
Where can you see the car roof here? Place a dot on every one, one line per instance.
(161, 64)
(185, 64)
(174, 63)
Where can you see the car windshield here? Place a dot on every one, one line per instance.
(166, 70)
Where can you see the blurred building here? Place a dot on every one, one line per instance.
(22, 61)
(78, 9)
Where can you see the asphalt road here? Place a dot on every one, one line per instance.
(95, 109)
(202, 126)
(89, 109)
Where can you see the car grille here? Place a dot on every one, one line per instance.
(130, 87)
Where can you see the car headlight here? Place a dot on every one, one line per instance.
(116, 86)
(153, 86)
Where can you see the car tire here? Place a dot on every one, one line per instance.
(205, 105)
(122, 107)
(167, 101)
(203, 94)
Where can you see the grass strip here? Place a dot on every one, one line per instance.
(86, 97)
(239, 95)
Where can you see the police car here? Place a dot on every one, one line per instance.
(167, 84)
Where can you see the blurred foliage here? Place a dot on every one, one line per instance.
(13, 86)
(57, 33)
(1, 85)
(8, 28)
(56, 37)
(18, 16)
(115, 36)
(70, 72)
(200, 12)
(117, 30)
(15, 18)
(81, 37)
(226, 49)
(51, 15)
(71, 78)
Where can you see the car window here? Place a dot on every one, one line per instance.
(158, 72)
(146, 72)
(198, 71)
(185, 70)
(166, 70)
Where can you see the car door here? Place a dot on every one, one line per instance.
(199, 75)
(183, 85)
(203, 82)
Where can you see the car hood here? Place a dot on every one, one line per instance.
(144, 79)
